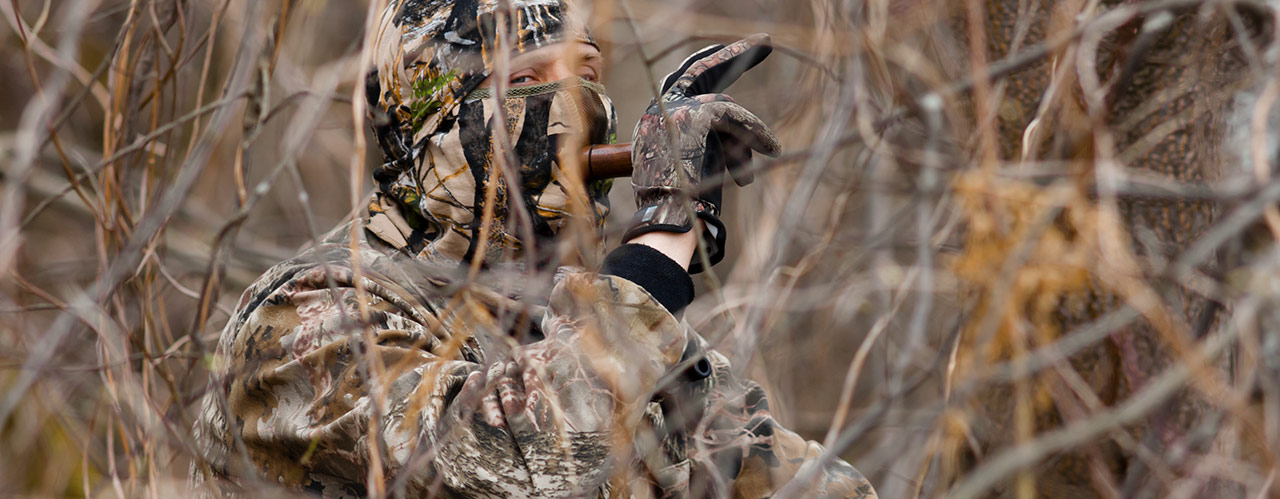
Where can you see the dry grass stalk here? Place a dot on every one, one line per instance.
(1013, 247)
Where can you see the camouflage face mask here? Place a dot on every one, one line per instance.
(436, 130)
(435, 211)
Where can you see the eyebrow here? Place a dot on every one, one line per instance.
(586, 56)
(535, 59)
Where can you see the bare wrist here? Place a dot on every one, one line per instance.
(678, 246)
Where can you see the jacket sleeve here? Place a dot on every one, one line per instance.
(316, 393)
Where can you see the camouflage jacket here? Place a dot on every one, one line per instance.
(409, 379)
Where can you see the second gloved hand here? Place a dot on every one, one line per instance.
(689, 138)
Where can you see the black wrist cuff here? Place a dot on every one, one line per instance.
(661, 276)
(713, 237)
(640, 230)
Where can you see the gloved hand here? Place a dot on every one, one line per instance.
(709, 133)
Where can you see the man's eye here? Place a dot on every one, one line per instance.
(522, 80)
(589, 75)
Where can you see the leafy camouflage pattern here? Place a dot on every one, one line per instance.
(441, 154)
(671, 152)
(405, 378)
(434, 211)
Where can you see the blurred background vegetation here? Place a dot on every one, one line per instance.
(1013, 247)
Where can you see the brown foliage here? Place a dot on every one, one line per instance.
(1012, 247)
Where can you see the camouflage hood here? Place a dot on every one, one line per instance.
(435, 128)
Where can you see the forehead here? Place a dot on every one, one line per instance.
(557, 51)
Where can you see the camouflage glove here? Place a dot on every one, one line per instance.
(710, 134)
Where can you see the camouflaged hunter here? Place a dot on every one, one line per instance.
(380, 365)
